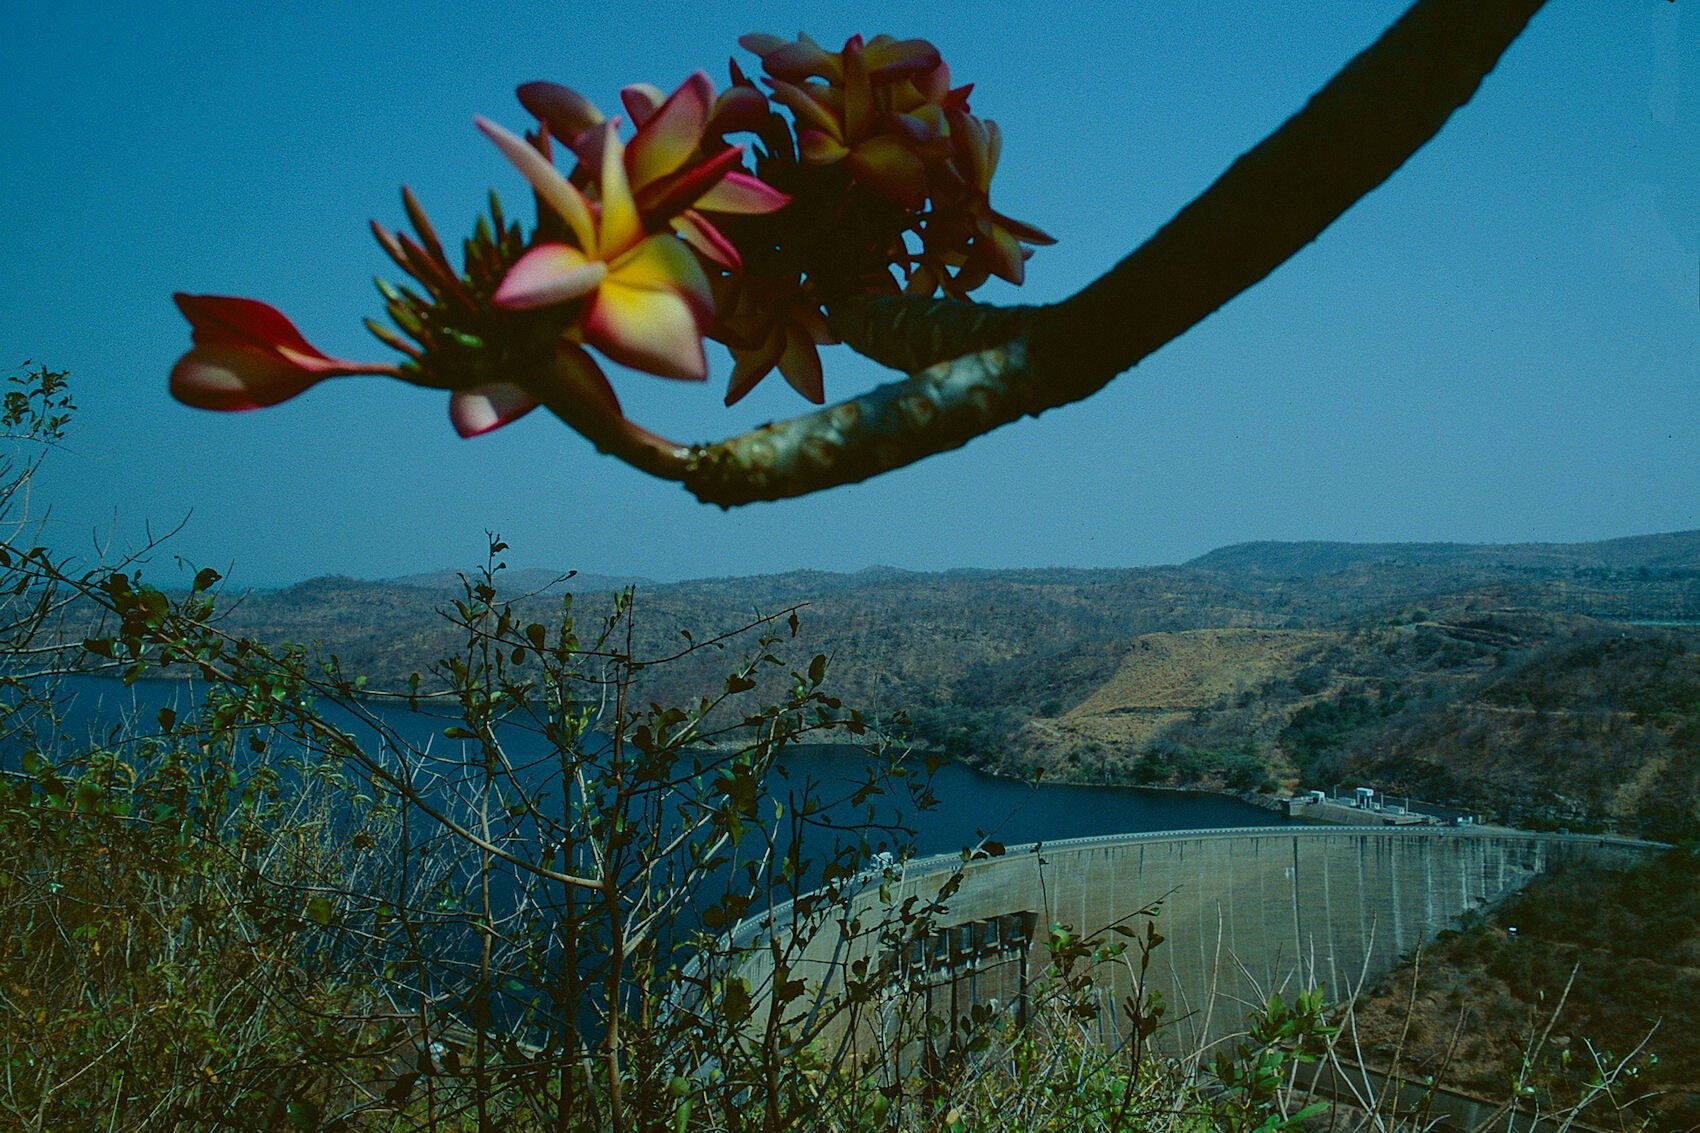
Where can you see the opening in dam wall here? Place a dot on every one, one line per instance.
(1244, 913)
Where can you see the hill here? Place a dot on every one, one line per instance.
(1540, 683)
(1676, 552)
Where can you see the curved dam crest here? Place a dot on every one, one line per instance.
(1245, 912)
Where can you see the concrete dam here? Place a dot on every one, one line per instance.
(1244, 913)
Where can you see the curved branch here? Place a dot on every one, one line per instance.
(975, 367)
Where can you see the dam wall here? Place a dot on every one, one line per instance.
(1243, 913)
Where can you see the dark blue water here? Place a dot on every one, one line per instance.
(971, 806)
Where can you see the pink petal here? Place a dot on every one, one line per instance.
(813, 323)
(227, 319)
(761, 43)
(548, 274)
(810, 110)
(653, 331)
(579, 378)
(230, 377)
(972, 139)
(740, 108)
(566, 112)
(477, 411)
(934, 83)
(641, 101)
(1003, 255)
(923, 126)
(555, 190)
(796, 60)
(749, 367)
(858, 95)
(742, 194)
(888, 59)
(661, 199)
(694, 229)
(1023, 231)
(668, 138)
(994, 147)
(820, 148)
(800, 363)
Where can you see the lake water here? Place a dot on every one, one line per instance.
(971, 805)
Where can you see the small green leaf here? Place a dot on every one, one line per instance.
(737, 1001)
(304, 1114)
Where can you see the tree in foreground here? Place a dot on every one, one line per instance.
(866, 217)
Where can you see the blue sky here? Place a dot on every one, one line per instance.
(1501, 344)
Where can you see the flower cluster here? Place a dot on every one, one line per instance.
(877, 182)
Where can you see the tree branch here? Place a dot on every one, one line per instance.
(975, 367)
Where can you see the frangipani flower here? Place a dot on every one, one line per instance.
(645, 298)
(880, 107)
(965, 232)
(247, 355)
(674, 173)
(884, 58)
(778, 325)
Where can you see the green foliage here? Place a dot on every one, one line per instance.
(165, 965)
(1256, 1074)
(1326, 726)
(36, 404)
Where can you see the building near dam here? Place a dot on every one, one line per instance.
(1243, 913)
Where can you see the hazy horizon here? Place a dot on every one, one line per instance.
(517, 565)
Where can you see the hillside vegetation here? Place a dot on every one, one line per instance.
(1625, 946)
(1541, 684)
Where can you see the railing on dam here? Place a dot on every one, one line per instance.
(1245, 912)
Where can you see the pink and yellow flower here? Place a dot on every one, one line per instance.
(645, 299)
(247, 355)
(965, 240)
(678, 174)
(877, 106)
(768, 324)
